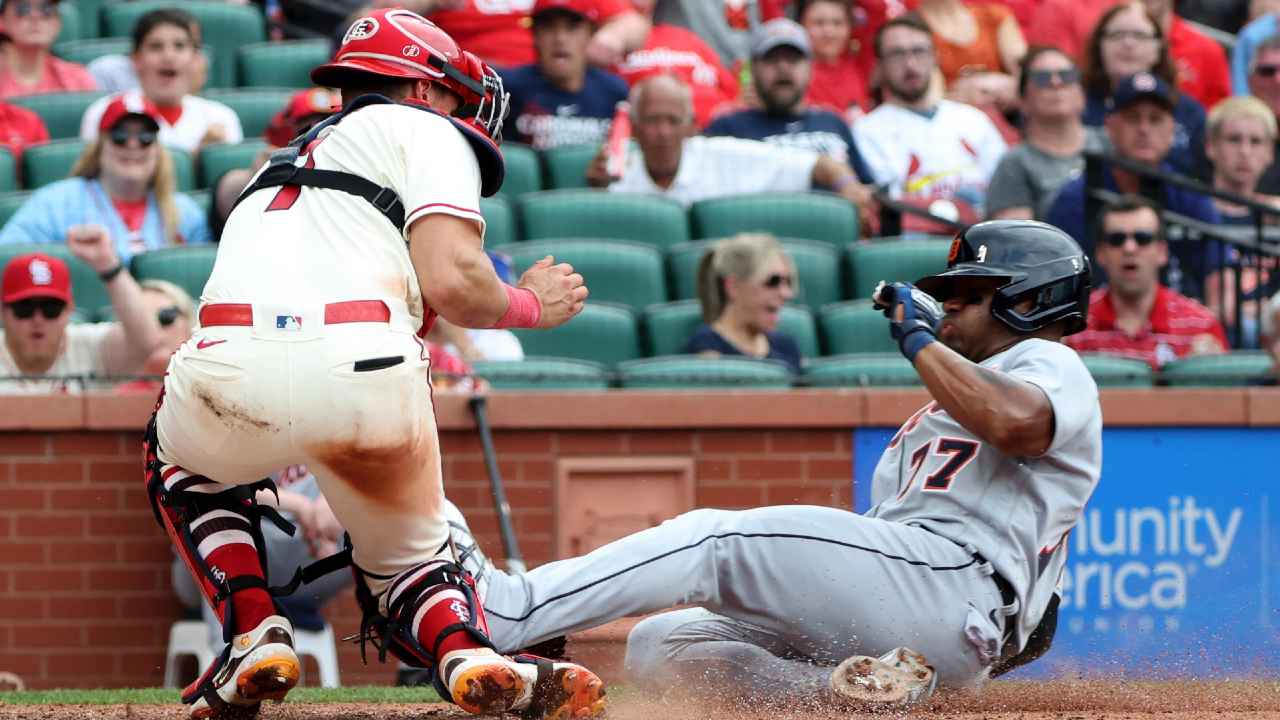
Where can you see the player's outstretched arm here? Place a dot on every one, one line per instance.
(1012, 415)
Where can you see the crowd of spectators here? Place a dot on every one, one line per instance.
(967, 109)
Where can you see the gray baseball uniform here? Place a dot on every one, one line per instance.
(785, 592)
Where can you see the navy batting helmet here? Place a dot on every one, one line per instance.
(1036, 262)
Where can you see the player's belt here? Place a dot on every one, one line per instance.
(334, 313)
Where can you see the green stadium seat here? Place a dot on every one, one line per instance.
(285, 63)
(810, 216)
(599, 214)
(667, 327)
(203, 198)
(182, 169)
(854, 327)
(50, 162)
(523, 174)
(541, 373)
(863, 370)
(187, 267)
(695, 371)
(61, 112)
(226, 27)
(72, 25)
(1227, 370)
(817, 263)
(566, 167)
(892, 260)
(602, 332)
(9, 204)
(615, 271)
(216, 160)
(86, 51)
(255, 106)
(8, 170)
(499, 221)
(90, 294)
(1111, 371)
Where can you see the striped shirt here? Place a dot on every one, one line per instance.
(1169, 333)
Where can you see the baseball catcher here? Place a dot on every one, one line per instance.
(950, 578)
(334, 263)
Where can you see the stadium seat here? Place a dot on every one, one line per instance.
(216, 160)
(9, 204)
(1111, 371)
(667, 327)
(187, 267)
(617, 271)
(50, 162)
(854, 327)
(8, 170)
(599, 214)
(539, 373)
(892, 260)
(695, 371)
(90, 294)
(203, 198)
(286, 63)
(863, 370)
(811, 216)
(566, 167)
(255, 106)
(61, 112)
(602, 332)
(86, 51)
(224, 26)
(524, 174)
(816, 262)
(499, 223)
(182, 169)
(1227, 370)
(72, 26)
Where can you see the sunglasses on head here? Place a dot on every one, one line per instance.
(167, 316)
(49, 307)
(25, 9)
(1116, 239)
(1044, 78)
(120, 137)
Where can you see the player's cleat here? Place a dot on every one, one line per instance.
(484, 683)
(900, 676)
(258, 665)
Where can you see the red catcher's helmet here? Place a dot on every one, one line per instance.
(396, 43)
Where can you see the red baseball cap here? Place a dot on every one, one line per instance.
(316, 101)
(126, 104)
(35, 275)
(588, 9)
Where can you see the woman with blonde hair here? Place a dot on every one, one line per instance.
(123, 185)
(743, 282)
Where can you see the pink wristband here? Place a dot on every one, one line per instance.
(524, 311)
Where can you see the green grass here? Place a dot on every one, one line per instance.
(151, 696)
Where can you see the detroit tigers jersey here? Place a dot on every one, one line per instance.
(1015, 511)
(309, 246)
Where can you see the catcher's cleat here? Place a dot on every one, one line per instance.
(484, 683)
(900, 676)
(256, 666)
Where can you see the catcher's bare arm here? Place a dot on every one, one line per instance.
(1012, 415)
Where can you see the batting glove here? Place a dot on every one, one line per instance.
(920, 315)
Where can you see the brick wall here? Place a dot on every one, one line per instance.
(85, 597)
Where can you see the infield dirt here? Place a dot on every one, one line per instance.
(1061, 700)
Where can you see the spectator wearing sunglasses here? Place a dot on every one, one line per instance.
(26, 65)
(176, 312)
(41, 351)
(123, 187)
(743, 282)
(1264, 84)
(166, 56)
(1134, 316)
(1029, 175)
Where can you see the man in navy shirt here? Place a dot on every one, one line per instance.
(1141, 128)
(781, 58)
(560, 100)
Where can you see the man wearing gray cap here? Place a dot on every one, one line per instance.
(781, 60)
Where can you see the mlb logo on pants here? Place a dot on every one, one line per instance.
(288, 322)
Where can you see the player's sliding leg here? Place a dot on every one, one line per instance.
(215, 529)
